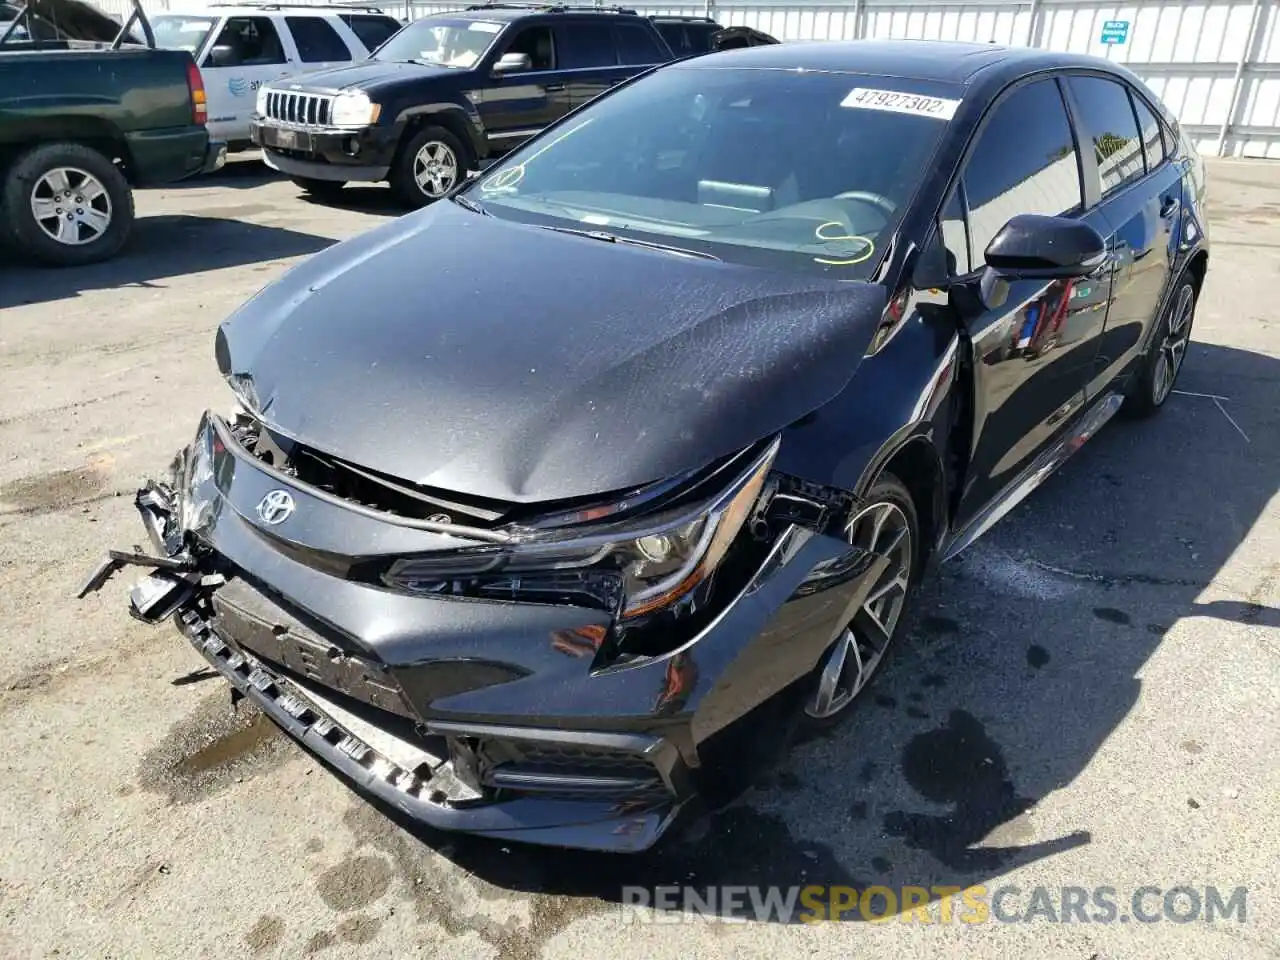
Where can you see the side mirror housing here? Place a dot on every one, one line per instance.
(223, 56)
(513, 63)
(1031, 247)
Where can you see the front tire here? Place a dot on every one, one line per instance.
(66, 204)
(430, 164)
(885, 523)
(1153, 383)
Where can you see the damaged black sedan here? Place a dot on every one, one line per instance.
(543, 512)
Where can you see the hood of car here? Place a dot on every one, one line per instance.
(367, 75)
(503, 360)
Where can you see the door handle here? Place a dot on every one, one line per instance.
(1169, 206)
(554, 87)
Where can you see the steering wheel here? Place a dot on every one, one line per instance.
(866, 196)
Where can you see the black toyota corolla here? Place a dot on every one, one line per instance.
(546, 512)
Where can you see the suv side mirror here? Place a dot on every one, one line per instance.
(513, 63)
(223, 55)
(1031, 247)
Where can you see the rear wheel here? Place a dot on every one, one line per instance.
(886, 524)
(428, 166)
(320, 189)
(66, 204)
(1153, 383)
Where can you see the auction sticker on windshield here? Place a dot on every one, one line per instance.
(895, 101)
(483, 26)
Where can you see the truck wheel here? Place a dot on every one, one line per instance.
(320, 189)
(67, 204)
(427, 167)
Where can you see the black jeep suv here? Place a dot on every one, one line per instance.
(446, 93)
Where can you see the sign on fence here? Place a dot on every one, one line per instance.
(1115, 31)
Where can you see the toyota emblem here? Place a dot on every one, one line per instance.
(276, 507)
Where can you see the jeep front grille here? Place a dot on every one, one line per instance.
(307, 109)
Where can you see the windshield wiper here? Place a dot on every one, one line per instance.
(629, 241)
(467, 203)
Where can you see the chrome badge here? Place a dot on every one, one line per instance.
(276, 507)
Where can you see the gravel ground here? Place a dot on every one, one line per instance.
(1088, 698)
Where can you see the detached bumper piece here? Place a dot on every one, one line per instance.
(586, 790)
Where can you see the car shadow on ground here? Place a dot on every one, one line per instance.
(372, 198)
(242, 171)
(1022, 660)
(160, 247)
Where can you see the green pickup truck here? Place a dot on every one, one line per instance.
(86, 113)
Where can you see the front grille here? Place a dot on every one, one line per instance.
(305, 109)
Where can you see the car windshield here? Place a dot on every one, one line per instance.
(782, 169)
(446, 43)
(181, 33)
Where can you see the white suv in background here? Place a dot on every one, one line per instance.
(241, 46)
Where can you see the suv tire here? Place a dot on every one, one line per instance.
(88, 201)
(429, 164)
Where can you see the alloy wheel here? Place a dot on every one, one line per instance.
(883, 529)
(435, 169)
(1174, 345)
(71, 206)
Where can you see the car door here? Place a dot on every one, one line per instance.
(588, 56)
(317, 42)
(241, 55)
(514, 106)
(1030, 355)
(1140, 196)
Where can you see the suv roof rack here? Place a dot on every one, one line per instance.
(278, 5)
(551, 7)
(681, 18)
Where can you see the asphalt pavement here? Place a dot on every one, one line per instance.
(1087, 699)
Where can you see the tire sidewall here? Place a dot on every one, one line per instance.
(1141, 400)
(402, 180)
(20, 179)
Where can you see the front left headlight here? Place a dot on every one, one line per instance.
(658, 560)
(354, 110)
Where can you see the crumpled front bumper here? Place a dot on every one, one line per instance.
(484, 717)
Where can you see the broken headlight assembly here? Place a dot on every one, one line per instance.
(633, 568)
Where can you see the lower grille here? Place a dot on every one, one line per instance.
(569, 771)
(308, 109)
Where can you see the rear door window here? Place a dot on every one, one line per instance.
(1024, 162)
(586, 44)
(636, 45)
(1152, 142)
(317, 42)
(1108, 121)
(372, 29)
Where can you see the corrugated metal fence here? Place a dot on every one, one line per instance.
(1216, 63)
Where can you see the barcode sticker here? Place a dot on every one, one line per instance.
(895, 101)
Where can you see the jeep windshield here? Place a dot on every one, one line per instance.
(440, 42)
(788, 170)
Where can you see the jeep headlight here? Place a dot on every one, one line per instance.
(260, 104)
(658, 559)
(354, 110)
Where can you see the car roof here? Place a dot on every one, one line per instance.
(936, 60)
(516, 11)
(314, 9)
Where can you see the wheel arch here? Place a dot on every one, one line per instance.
(449, 116)
(96, 133)
(915, 460)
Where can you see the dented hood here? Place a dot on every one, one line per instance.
(502, 360)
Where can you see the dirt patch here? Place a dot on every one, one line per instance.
(355, 883)
(216, 746)
(56, 490)
(265, 934)
(359, 929)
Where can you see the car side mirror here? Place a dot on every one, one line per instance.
(1031, 247)
(223, 55)
(513, 63)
